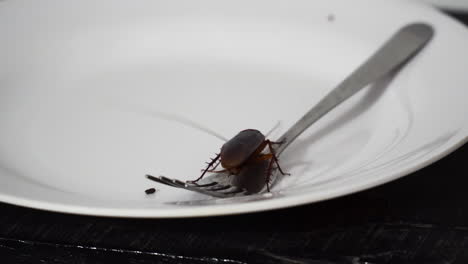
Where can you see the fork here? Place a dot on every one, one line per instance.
(392, 55)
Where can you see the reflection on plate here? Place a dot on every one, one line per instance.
(93, 98)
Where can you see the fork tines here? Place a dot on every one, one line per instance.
(213, 188)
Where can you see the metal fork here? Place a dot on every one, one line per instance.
(212, 187)
(394, 53)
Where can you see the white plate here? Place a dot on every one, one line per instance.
(456, 5)
(95, 94)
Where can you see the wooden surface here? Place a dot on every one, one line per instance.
(421, 218)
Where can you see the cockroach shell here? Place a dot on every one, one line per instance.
(252, 176)
(237, 150)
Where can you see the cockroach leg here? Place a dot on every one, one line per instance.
(271, 158)
(217, 164)
(210, 164)
(272, 151)
(268, 173)
(265, 156)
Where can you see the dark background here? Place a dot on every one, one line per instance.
(421, 218)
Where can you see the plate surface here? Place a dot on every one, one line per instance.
(455, 5)
(94, 95)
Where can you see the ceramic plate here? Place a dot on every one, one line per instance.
(96, 94)
(455, 5)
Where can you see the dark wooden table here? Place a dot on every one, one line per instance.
(421, 218)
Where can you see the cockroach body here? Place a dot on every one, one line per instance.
(243, 157)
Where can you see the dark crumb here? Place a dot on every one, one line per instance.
(150, 191)
(331, 18)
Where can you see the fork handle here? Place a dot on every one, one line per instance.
(403, 45)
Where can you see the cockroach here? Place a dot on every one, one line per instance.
(243, 157)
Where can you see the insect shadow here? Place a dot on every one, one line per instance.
(302, 145)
